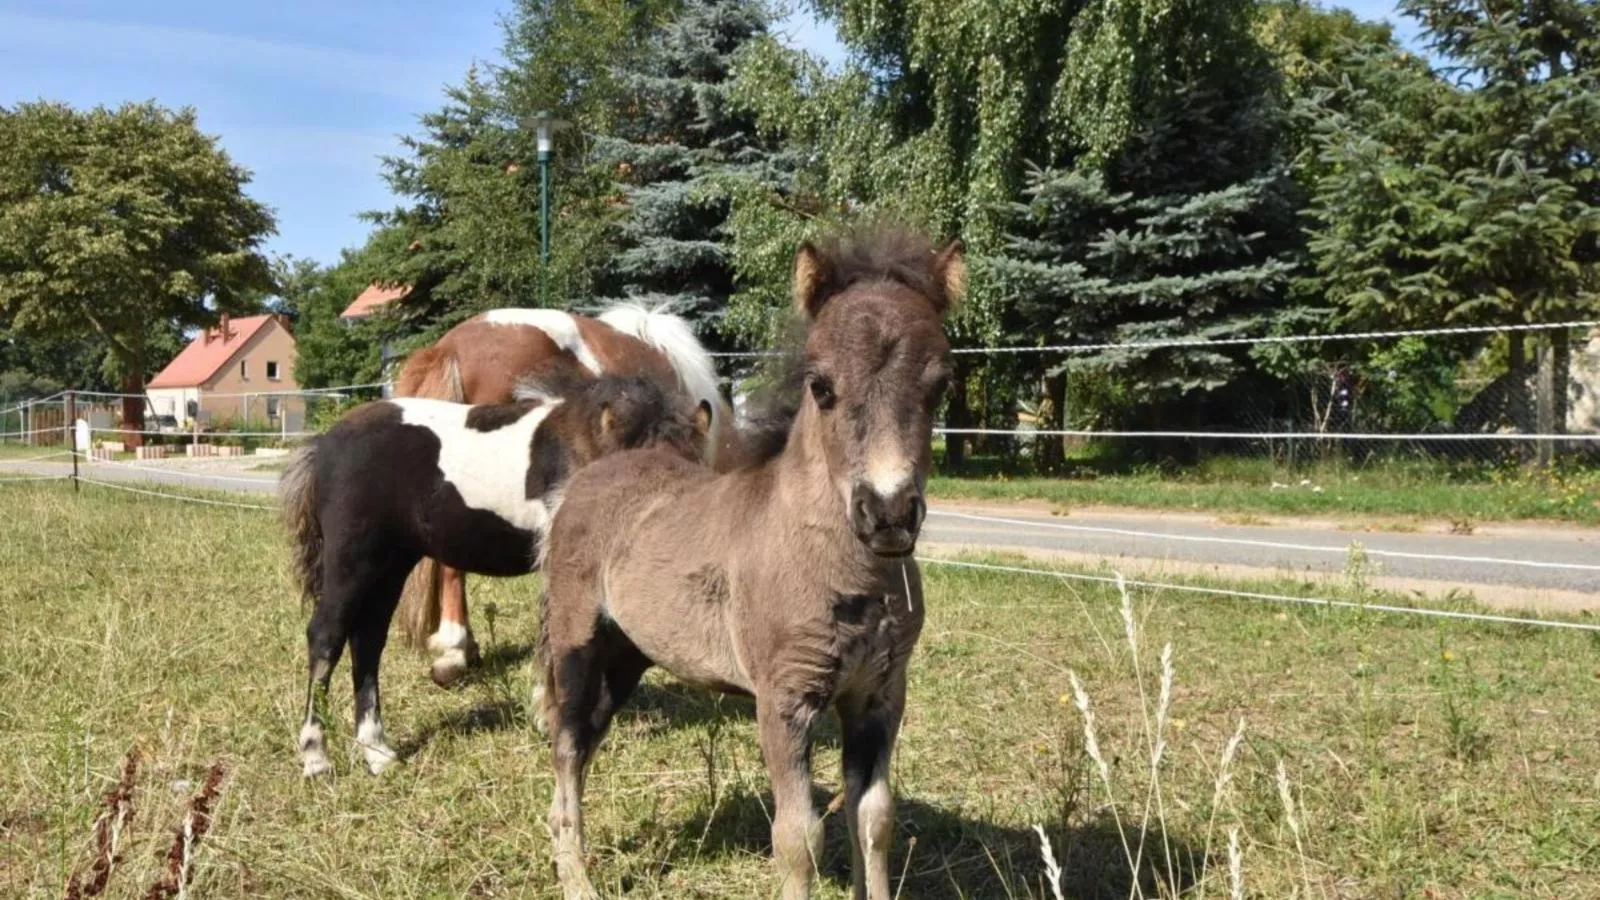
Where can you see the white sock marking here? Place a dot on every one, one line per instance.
(313, 753)
(450, 636)
(373, 746)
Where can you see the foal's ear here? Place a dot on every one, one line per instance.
(950, 268)
(608, 419)
(702, 417)
(812, 274)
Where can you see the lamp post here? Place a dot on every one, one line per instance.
(545, 126)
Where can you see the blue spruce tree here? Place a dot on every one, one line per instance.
(677, 150)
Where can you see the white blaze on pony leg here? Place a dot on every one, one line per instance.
(313, 750)
(369, 736)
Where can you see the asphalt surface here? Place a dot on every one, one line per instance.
(1544, 557)
(1561, 559)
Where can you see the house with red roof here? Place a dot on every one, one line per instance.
(373, 299)
(242, 370)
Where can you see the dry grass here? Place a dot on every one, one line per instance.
(1417, 758)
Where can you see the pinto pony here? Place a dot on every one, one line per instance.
(483, 360)
(471, 486)
(790, 579)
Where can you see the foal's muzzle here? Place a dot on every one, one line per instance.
(888, 525)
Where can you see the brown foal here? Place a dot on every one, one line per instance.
(790, 578)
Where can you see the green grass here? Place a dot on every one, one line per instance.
(1424, 758)
(1418, 490)
(16, 451)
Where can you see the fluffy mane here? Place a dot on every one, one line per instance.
(846, 260)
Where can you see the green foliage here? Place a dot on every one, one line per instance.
(1462, 195)
(1131, 63)
(932, 125)
(679, 151)
(331, 351)
(128, 223)
(1092, 265)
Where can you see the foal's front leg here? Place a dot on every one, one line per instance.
(870, 724)
(785, 726)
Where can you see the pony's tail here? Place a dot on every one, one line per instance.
(672, 335)
(297, 490)
(430, 372)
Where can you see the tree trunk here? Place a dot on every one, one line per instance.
(1554, 362)
(133, 404)
(1053, 448)
(1518, 404)
(957, 415)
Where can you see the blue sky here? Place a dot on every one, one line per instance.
(307, 95)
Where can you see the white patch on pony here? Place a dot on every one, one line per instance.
(450, 636)
(560, 327)
(373, 746)
(889, 477)
(488, 468)
(313, 751)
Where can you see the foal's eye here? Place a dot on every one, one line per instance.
(822, 391)
(939, 389)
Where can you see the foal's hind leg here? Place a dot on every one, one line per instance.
(584, 687)
(325, 637)
(869, 726)
(368, 635)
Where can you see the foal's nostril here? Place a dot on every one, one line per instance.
(861, 511)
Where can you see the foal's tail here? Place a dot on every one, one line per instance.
(297, 490)
(430, 372)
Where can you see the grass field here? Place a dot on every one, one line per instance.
(1417, 490)
(1419, 758)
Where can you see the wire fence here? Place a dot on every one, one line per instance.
(1178, 588)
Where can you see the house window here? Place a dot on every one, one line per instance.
(244, 369)
(272, 370)
(272, 402)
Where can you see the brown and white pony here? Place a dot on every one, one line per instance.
(790, 578)
(471, 486)
(483, 360)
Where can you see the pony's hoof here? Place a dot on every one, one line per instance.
(315, 767)
(379, 759)
(453, 664)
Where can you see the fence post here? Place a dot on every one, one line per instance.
(71, 404)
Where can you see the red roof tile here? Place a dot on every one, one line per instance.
(372, 299)
(208, 353)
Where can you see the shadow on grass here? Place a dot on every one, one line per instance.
(956, 855)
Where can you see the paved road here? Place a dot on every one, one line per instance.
(1568, 559)
(1320, 548)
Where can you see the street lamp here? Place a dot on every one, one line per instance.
(545, 127)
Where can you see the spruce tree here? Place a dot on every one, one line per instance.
(1169, 217)
(678, 150)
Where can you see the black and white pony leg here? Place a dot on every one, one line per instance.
(366, 647)
(325, 636)
(313, 740)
